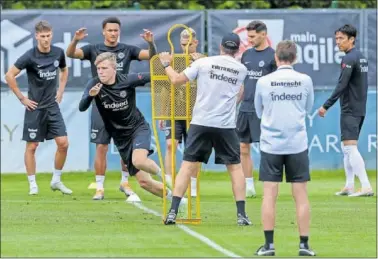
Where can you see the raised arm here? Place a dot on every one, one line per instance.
(91, 90)
(72, 51)
(145, 54)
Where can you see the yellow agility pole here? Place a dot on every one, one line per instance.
(173, 103)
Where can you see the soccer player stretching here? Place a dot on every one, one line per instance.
(43, 119)
(282, 100)
(352, 90)
(219, 80)
(114, 95)
(111, 28)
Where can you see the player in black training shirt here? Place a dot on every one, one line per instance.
(43, 119)
(114, 95)
(125, 54)
(352, 90)
(259, 61)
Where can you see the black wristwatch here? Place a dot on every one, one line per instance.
(166, 64)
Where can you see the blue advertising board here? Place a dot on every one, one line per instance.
(323, 134)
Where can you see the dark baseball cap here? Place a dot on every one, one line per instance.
(231, 41)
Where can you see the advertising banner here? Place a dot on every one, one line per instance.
(17, 35)
(13, 148)
(312, 30)
(371, 45)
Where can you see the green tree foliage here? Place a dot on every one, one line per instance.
(186, 4)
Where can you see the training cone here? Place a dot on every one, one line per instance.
(133, 198)
(92, 186)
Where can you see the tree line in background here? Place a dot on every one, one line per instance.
(189, 5)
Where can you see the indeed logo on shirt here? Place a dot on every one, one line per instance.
(116, 106)
(285, 97)
(222, 77)
(48, 75)
(255, 74)
(364, 69)
(120, 66)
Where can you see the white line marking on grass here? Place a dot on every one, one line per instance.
(191, 232)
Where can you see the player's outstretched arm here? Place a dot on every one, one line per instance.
(188, 74)
(138, 79)
(72, 51)
(91, 90)
(145, 54)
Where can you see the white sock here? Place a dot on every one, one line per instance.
(193, 182)
(100, 181)
(56, 176)
(358, 166)
(32, 181)
(169, 195)
(349, 175)
(125, 176)
(168, 179)
(159, 175)
(249, 182)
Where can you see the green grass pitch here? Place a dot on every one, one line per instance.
(53, 225)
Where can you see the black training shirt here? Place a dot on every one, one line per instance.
(43, 75)
(352, 87)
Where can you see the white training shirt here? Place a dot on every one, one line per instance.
(282, 100)
(219, 79)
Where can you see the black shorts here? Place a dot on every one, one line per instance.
(201, 140)
(297, 167)
(140, 139)
(99, 135)
(350, 126)
(43, 124)
(180, 130)
(248, 127)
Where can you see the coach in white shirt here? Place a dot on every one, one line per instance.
(219, 79)
(282, 100)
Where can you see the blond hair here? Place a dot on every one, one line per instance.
(185, 34)
(106, 56)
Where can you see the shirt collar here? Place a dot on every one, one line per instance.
(285, 67)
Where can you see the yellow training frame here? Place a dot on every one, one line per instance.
(173, 103)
